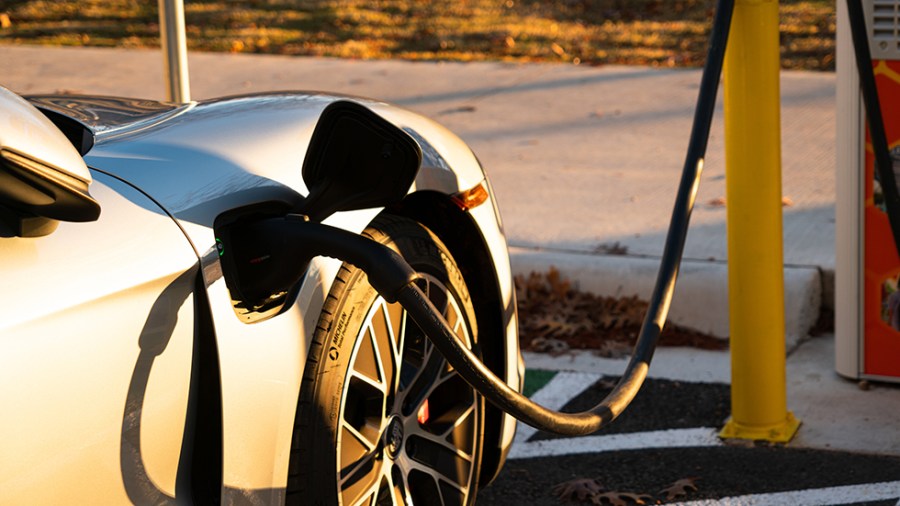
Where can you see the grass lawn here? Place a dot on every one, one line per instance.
(645, 32)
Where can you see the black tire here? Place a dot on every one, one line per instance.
(362, 435)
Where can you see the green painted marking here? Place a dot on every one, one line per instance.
(535, 379)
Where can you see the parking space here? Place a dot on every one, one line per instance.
(665, 449)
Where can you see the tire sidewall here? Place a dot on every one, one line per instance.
(355, 298)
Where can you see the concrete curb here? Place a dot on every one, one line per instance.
(701, 296)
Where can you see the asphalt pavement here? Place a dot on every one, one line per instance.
(846, 451)
(584, 162)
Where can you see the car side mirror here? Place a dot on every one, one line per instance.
(356, 160)
(43, 179)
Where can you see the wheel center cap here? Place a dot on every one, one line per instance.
(393, 437)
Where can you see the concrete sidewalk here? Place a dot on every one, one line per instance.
(584, 160)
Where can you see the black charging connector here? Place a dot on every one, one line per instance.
(262, 258)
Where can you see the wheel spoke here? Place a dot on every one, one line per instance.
(439, 381)
(366, 361)
(437, 294)
(395, 319)
(422, 383)
(357, 435)
(439, 459)
(448, 492)
(366, 500)
(383, 376)
(443, 440)
(401, 486)
(361, 483)
(459, 421)
(381, 387)
(458, 324)
(424, 487)
(385, 333)
(394, 315)
(390, 492)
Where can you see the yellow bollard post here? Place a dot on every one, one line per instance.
(753, 196)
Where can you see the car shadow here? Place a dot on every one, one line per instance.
(153, 340)
(199, 473)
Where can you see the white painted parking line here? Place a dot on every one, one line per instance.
(883, 491)
(565, 386)
(672, 438)
(676, 364)
(554, 395)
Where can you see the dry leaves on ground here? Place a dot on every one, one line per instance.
(592, 490)
(680, 488)
(552, 312)
(620, 498)
(579, 489)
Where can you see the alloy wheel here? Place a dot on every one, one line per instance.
(409, 423)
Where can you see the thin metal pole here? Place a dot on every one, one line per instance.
(755, 257)
(174, 47)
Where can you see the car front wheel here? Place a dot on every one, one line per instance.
(383, 419)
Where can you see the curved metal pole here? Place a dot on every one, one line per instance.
(174, 46)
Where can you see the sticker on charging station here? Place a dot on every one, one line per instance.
(882, 263)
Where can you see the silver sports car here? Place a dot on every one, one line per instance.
(140, 364)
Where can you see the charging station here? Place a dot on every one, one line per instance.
(867, 331)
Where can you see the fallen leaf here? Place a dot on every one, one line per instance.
(581, 489)
(615, 248)
(679, 488)
(556, 48)
(5, 21)
(716, 202)
(612, 349)
(548, 345)
(556, 325)
(454, 110)
(559, 286)
(787, 201)
(510, 42)
(620, 498)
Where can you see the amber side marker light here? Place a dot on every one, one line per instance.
(471, 198)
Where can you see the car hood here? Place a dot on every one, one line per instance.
(102, 115)
(200, 159)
